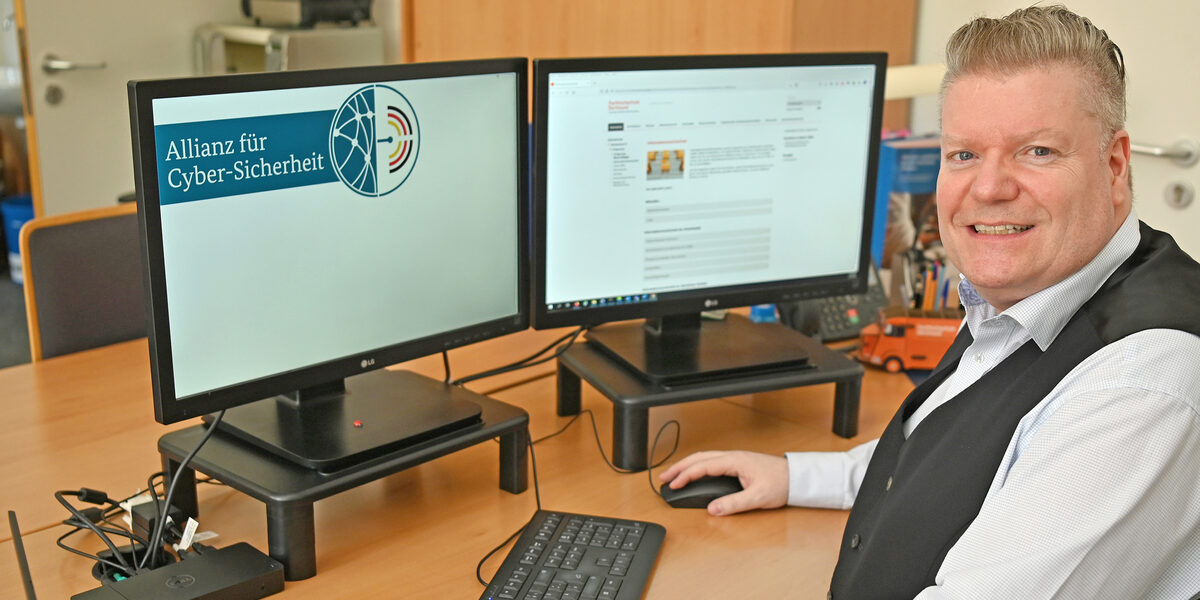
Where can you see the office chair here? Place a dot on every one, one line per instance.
(83, 280)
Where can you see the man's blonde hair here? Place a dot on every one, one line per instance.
(1042, 36)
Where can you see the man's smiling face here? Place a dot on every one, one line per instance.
(1028, 191)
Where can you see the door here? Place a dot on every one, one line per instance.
(77, 110)
(1157, 39)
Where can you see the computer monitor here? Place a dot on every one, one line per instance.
(302, 230)
(668, 186)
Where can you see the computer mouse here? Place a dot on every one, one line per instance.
(698, 493)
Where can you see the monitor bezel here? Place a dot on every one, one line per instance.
(695, 301)
(170, 409)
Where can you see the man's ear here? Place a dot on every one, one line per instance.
(1117, 159)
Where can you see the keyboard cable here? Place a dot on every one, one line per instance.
(600, 448)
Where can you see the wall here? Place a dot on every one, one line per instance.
(459, 29)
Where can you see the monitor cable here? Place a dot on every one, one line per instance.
(560, 345)
(160, 522)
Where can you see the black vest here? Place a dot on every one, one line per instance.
(920, 494)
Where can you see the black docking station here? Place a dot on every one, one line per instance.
(236, 572)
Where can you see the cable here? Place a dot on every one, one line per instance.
(651, 465)
(649, 459)
(509, 368)
(93, 497)
(515, 384)
(654, 445)
(123, 531)
(103, 524)
(157, 507)
(113, 530)
(528, 361)
(537, 492)
(479, 567)
(446, 365)
(600, 447)
(570, 334)
(525, 362)
(537, 497)
(160, 525)
(150, 487)
(564, 427)
(109, 529)
(115, 566)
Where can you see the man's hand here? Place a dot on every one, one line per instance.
(764, 478)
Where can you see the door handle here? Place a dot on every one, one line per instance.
(1184, 153)
(52, 64)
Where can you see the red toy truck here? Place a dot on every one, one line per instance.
(907, 338)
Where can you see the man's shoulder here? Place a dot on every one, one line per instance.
(1162, 361)
(1155, 288)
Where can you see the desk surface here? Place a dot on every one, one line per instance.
(87, 420)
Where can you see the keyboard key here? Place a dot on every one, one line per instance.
(592, 589)
(607, 594)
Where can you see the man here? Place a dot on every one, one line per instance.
(1054, 452)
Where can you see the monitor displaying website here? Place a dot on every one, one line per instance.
(666, 181)
(307, 224)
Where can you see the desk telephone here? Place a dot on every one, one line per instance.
(837, 317)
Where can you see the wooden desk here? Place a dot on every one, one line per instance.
(87, 420)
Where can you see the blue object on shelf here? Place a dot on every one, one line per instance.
(15, 212)
(906, 166)
(763, 313)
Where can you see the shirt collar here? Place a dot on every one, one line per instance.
(1045, 313)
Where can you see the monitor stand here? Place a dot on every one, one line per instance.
(290, 490)
(685, 349)
(346, 422)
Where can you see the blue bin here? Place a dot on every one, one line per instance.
(15, 211)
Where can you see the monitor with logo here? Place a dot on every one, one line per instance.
(303, 230)
(668, 186)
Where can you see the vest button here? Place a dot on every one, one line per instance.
(888, 487)
(855, 542)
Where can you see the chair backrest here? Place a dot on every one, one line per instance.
(83, 280)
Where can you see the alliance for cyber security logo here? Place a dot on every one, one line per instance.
(374, 140)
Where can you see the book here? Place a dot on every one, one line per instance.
(904, 196)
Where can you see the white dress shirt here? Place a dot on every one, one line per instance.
(1098, 493)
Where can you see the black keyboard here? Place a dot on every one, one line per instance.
(564, 556)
